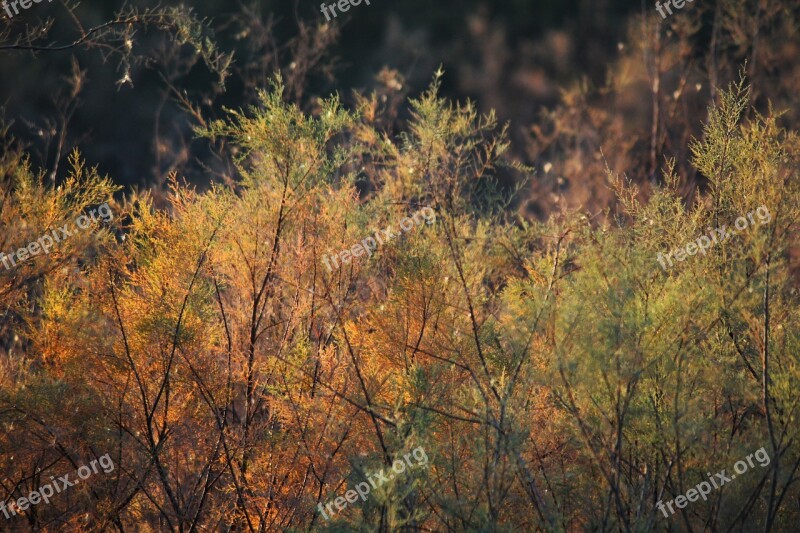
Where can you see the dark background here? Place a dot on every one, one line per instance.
(508, 55)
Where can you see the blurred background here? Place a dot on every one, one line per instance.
(574, 78)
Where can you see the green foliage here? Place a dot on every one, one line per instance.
(556, 375)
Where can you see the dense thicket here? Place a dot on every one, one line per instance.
(567, 372)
